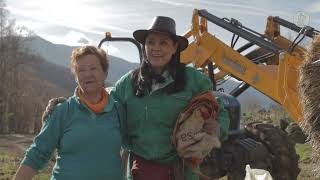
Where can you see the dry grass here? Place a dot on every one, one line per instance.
(309, 88)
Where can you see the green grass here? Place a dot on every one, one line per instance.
(304, 151)
(306, 164)
(9, 164)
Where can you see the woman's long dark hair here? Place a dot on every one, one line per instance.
(142, 76)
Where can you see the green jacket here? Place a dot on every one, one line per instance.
(87, 144)
(151, 118)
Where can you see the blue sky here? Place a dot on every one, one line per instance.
(74, 21)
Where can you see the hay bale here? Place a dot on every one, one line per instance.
(309, 89)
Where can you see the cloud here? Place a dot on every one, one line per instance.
(83, 41)
(110, 49)
(108, 27)
(69, 37)
(313, 7)
(173, 3)
(241, 8)
(77, 19)
(65, 32)
(224, 7)
(76, 38)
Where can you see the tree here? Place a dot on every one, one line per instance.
(10, 59)
(23, 93)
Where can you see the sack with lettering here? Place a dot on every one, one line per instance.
(196, 131)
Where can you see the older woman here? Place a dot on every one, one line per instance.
(85, 129)
(153, 96)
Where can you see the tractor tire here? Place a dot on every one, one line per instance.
(284, 160)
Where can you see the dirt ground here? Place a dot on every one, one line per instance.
(16, 145)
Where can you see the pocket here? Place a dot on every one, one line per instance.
(179, 97)
(183, 96)
(179, 100)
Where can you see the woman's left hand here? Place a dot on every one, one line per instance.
(50, 106)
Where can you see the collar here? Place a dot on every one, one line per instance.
(157, 86)
(83, 106)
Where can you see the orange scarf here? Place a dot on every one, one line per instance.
(97, 108)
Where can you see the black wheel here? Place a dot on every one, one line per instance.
(284, 160)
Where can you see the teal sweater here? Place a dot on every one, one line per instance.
(87, 144)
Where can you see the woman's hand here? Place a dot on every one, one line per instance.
(50, 106)
(25, 173)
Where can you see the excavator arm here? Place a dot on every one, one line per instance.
(272, 68)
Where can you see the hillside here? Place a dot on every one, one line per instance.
(60, 55)
(29, 91)
(54, 74)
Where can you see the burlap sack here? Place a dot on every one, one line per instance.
(196, 131)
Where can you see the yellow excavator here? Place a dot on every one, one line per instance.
(269, 63)
(271, 68)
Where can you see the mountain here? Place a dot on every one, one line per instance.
(60, 54)
(56, 75)
(57, 56)
(250, 98)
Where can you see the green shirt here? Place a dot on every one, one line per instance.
(151, 118)
(88, 144)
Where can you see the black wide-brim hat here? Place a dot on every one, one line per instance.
(161, 24)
